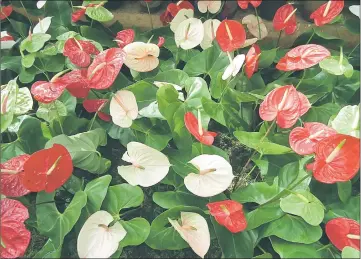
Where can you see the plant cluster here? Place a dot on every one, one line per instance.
(73, 89)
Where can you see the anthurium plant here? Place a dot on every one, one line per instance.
(203, 136)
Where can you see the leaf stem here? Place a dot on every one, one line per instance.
(26, 13)
(259, 25)
(303, 77)
(279, 38)
(150, 17)
(313, 34)
(349, 55)
(59, 120)
(92, 121)
(324, 247)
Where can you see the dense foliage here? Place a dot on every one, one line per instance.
(198, 134)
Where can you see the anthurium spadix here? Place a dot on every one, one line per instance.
(210, 30)
(181, 16)
(123, 108)
(141, 57)
(215, 176)
(347, 121)
(148, 165)
(210, 6)
(193, 228)
(234, 67)
(189, 33)
(43, 25)
(97, 239)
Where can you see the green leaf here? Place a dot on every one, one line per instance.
(263, 215)
(12, 63)
(253, 140)
(138, 230)
(293, 250)
(162, 236)
(68, 100)
(333, 66)
(292, 172)
(351, 210)
(305, 205)
(350, 252)
(49, 251)
(196, 89)
(175, 76)
(83, 150)
(10, 150)
(74, 184)
(49, 50)
(267, 57)
(54, 224)
(344, 190)
(122, 196)
(99, 13)
(171, 199)
(28, 60)
(51, 111)
(61, 13)
(35, 43)
(144, 92)
(51, 63)
(173, 110)
(31, 135)
(71, 125)
(293, 229)
(258, 192)
(8, 103)
(321, 113)
(96, 191)
(353, 25)
(24, 101)
(97, 35)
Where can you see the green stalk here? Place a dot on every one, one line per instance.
(279, 38)
(26, 13)
(313, 34)
(303, 77)
(259, 25)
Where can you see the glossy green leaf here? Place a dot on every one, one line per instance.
(263, 215)
(293, 250)
(171, 199)
(267, 57)
(97, 35)
(258, 192)
(350, 252)
(12, 63)
(333, 66)
(305, 205)
(137, 229)
(266, 147)
(344, 190)
(51, 111)
(321, 113)
(83, 149)
(144, 92)
(350, 209)
(54, 224)
(293, 229)
(61, 12)
(32, 135)
(99, 13)
(49, 251)
(28, 60)
(122, 196)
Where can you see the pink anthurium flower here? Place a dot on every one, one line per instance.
(123, 108)
(141, 57)
(189, 33)
(211, 6)
(125, 37)
(210, 30)
(79, 51)
(285, 19)
(259, 31)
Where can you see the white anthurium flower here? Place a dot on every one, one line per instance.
(234, 67)
(7, 41)
(355, 9)
(176, 87)
(181, 16)
(210, 29)
(141, 57)
(189, 33)
(347, 121)
(215, 176)
(252, 24)
(148, 165)
(43, 25)
(151, 111)
(123, 108)
(193, 228)
(96, 239)
(249, 42)
(211, 6)
(40, 4)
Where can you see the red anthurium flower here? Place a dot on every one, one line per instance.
(327, 12)
(125, 37)
(285, 104)
(15, 238)
(5, 11)
(244, 4)
(230, 35)
(194, 126)
(175, 8)
(228, 213)
(8, 37)
(343, 232)
(46, 92)
(11, 172)
(77, 83)
(77, 15)
(95, 106)
(47, 169)
(166, 17)
(105, 68)
(285, 19)
(79, 51)
(304, 140)
(252, 59)
(337, 159)
(303, 57)
(161, 41)
(309, 167)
